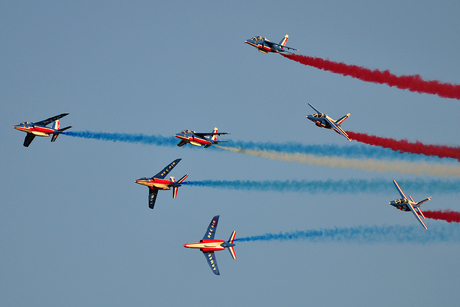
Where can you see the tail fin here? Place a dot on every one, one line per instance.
(230, 248)
(214, 137)
(342, 119)
(232, 237)
(57, 125)
(176, 188)
(284, 40)
(182, 179)
(55, 135)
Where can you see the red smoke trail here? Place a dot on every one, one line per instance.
(412, 83)
(446, 215)
(441, 151)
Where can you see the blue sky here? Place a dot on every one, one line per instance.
(74, 227)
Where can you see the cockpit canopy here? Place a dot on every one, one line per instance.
(187, 131)
(319, 115)
(24, 123)
(258, 38)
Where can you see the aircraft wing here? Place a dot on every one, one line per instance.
(152, 197)
(314, 108)
(211, 231)
(29, 138)
(211, 258)
(400, 190)
(337, 128)
(416, 215)
(51, 119)
(421, 202)
(182, 143)
(167, 169)
(211, 133)
(272, 43)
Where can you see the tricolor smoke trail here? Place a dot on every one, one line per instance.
(367, 165)
(404, 146)
(375, 186)
(446, 215)
(367, 234)
(412, 83)
(352, 151)
(310, 154)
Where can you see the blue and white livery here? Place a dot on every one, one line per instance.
(265, 46)
(408, 204)
(324, 121)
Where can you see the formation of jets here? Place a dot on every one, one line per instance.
(208, 245)
(409, 204)
(40, 129)
(199, 139)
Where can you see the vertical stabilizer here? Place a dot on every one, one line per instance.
(342, 119)
(231, 247)
(56, 126)
(284, 40)
(214, 137)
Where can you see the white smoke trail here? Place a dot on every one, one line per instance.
(368, 165)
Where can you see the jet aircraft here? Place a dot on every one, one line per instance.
(324, 121)
(408, 204)
(264, 45)
(40, 129)
(208, 245)
(199, 139)
(158, 182)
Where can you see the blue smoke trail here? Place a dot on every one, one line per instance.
(335, 186)
(157, 140)
(368, 234)
(355, 151)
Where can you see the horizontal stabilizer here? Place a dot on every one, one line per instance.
(232, 252)
(175, 189)
(182, 179)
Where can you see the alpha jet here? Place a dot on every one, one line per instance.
(208, 245)
(408, 204)
(158, 182)
(40, 129)
(324, 121)
(264, 45)
(199, 139)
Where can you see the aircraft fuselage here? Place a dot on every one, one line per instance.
(193, 139)
(400, 204)
(156, 183)
(207, 245)
(261, 46)
(35, 130)
(319, 120)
